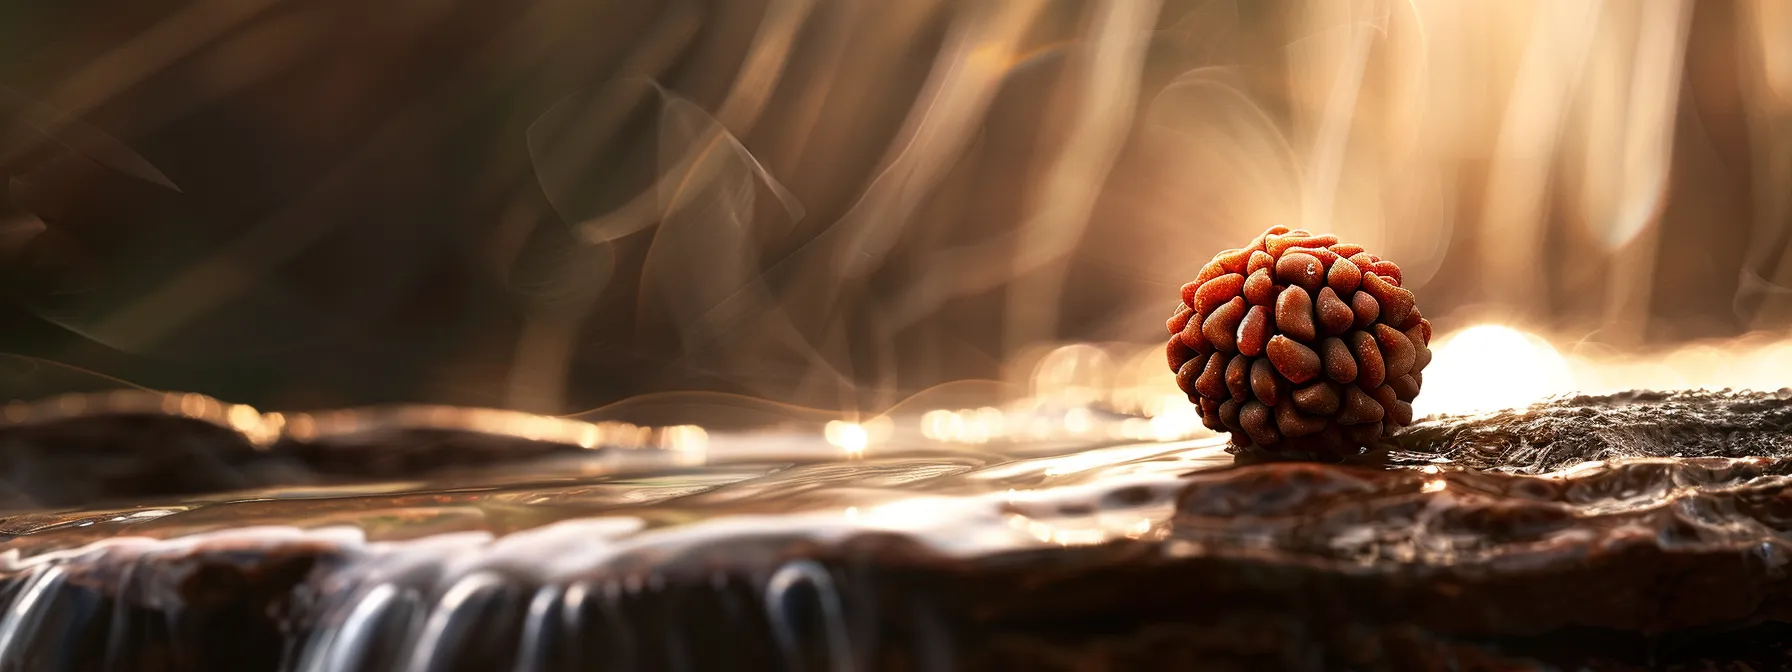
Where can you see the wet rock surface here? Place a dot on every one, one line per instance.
(1565, 432)
(1639, 531)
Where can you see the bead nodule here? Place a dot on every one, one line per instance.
(1300, 345)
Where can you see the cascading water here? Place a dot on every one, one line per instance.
(569, 550)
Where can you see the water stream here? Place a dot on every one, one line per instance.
(243, 541)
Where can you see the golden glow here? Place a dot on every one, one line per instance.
(1489, 367)
(689, 444)
(848, 436)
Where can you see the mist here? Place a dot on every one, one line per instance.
(567, 207)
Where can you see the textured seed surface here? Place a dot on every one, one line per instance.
(1259, 260)
(1366, 309)
(1370, 372)
(1217, 291)
(1389, 270)
(1234, 260)
(1238, 377)
(1298, 363)
(1299, 344)
(1229, 414)
(1253, 331)
(1221, 328)
(1212, 383)
(1294, 424)
(1396, 351)
(1359, 408)
(1263, 382)
(1398, 411)
(1339, 364)
(1344, 277)
(1325, 256)
(1189, 372)
(1258, 424)
(1177, 353)
(1192, 337)
(1261, 242)
(1413, 318)
(1277, 245)
(1335, 316)
(1300, 268)
(1320, 398)
(1179, 320)
(1260, 288)
(1405, 387)
(1420, 333)
(1395, 302)
(1210, 414)
(1294, 314)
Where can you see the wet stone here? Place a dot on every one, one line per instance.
(1644, 530)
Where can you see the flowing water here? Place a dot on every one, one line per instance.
(162, 532)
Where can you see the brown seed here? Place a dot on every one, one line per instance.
(1210, 414)
(1294, 314)
(1257, 243)
(1413, 318)
(1366, 309)
(1363, 435)
(1320, 398)
(1298, 363)
(1260, 288)
(1238, 377)
(1189, 372)
(1419, 334)
(1253, 331)
(1339, 364)
(1229, 414)
(1277, 245)
(1217, 291)
(1363, 260)
(1347, 249)
(1212, 270)
(1395, 302)
(1326, 256)
(1192, 337)
(1212, 383)
(1265, 384)
(1292, 424)
(1398, 412)
(1258, 424)
(1344, 277)
(1359, 408)
(1370, 372)
(1421, 358)
(1299, 268)
(1335, 316)
(1234, 261)
(1259, 261)
(1389, 270)
(1405, 387)
(1178, 354)
(1179, 320)
(1396, 351)
(1221, 328)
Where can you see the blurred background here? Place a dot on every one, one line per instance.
(557, 205)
